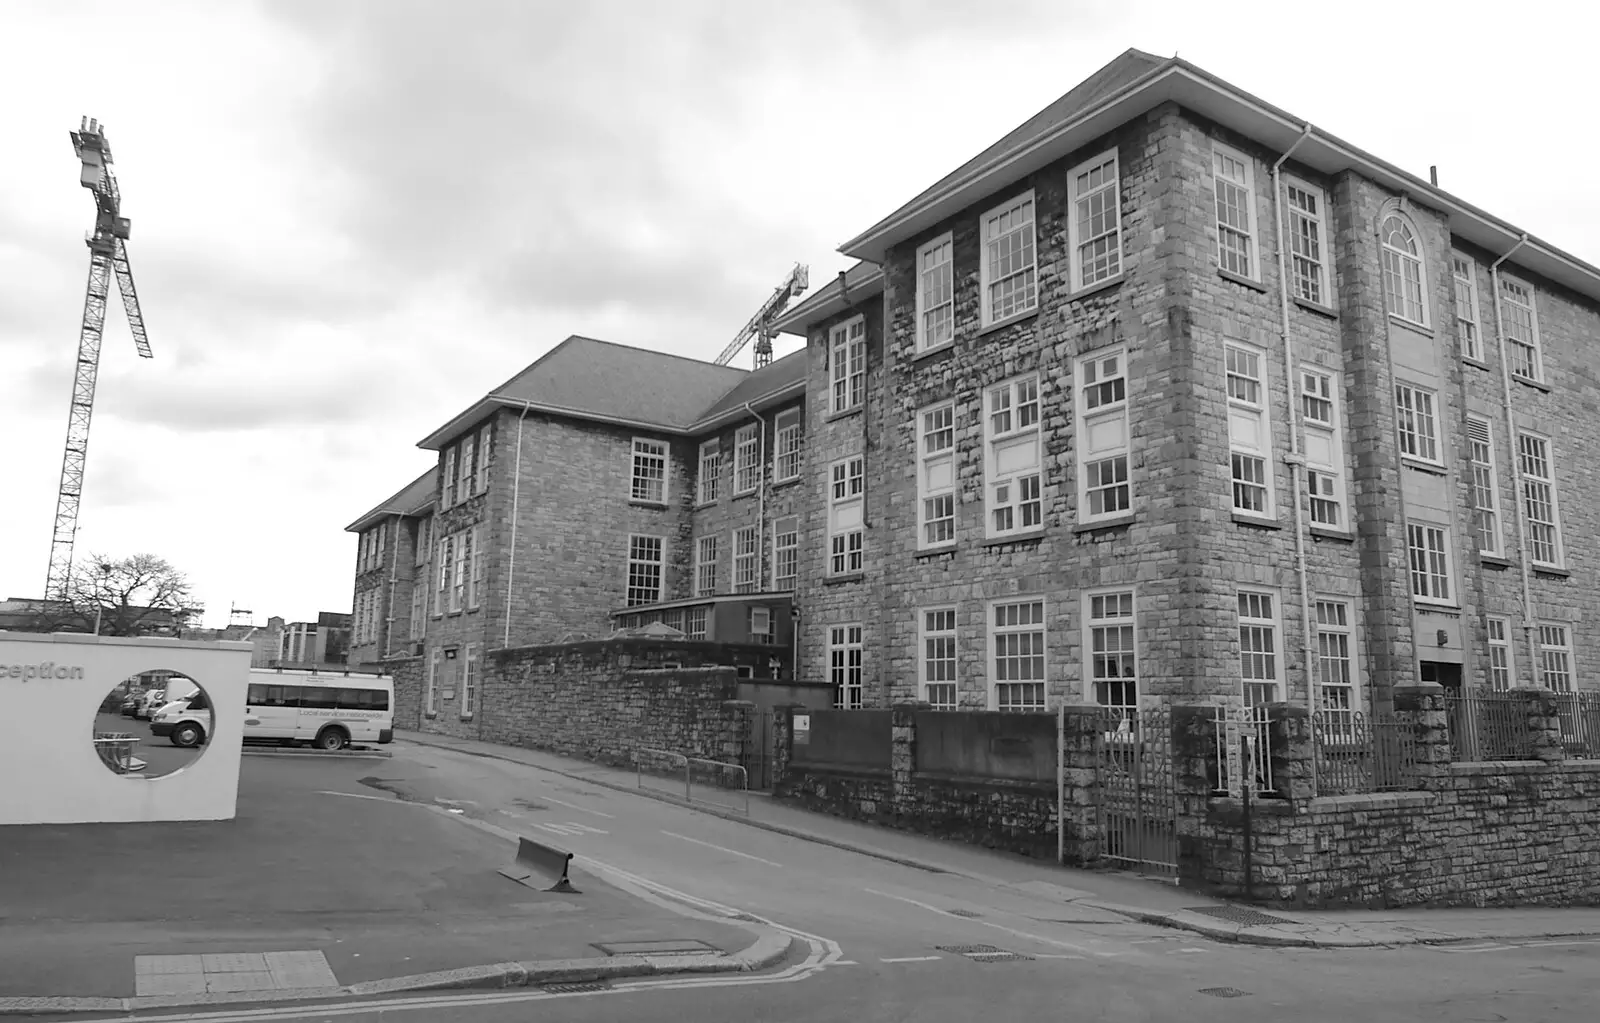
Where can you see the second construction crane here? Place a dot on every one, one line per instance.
(760, 325)
(107, 257)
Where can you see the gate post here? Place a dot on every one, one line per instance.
(1195, 778)
(1077, 813)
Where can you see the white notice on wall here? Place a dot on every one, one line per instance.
(802, 728)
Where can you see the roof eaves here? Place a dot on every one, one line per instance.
(830, 301)
(793, 389)
(521, 404)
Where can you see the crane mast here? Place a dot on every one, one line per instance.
(760, 325)
(108, 258)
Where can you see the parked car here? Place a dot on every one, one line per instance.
(130, 703)
(150, 704)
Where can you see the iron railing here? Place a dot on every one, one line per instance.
(1231, 725)
(1488, 724)
(1356, 753)
(1579, 714)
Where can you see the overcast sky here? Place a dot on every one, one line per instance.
(351, 219)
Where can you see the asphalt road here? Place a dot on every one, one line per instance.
(159, 754)
(885, 942)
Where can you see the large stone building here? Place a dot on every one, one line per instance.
(1170, 393)
(1166, 393)
(602, 488)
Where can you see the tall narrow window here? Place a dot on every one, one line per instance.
(710, 471)
(1016, 639)
(1308, 273)
(644, 570)
(1009, 273)
(1236, 216)
(1112, 666)
(447, 482)
(430, 703)
(1430, 562)
(1013, 496)
(938, 661)
(1466, 282)
(936, 476)
(1415, 423)
(1555, 658)
(846, 516)
(847, 364)
(746, 459)
(469, 682)
(1402, 271)
(1501, 667)
(483, 458)
(474, 566)
(786, 446)
(419, 602)
(1336, 663)
(1259, 661)
(1522, 329)
(649, 471)
(785, 553)
(695, 623)
(468, 467)
(844, 666)
(1324, 443)
(747, 559)
(1096, 225)
(459, 572)
(936, 308)
(446, 572)
(1103, 444)
(1485, 492)
(705, 566)
(1249, 432)
(1539, 500)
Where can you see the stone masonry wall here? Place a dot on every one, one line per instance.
(410, 674)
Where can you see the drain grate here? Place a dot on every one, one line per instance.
(1223, 992)
(985, 953)
(1238, 915)
(969, 914)
(581, 987)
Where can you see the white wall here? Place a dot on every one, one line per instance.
(51, 687)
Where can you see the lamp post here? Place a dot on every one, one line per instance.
(99, 595)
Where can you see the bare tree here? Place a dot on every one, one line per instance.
(139, 595)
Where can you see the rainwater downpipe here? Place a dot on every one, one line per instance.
(1513, 455)
(511, 559)
(1296, 458)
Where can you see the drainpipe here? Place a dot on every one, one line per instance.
(1296, 458)
(511, 559)
(1512, 454)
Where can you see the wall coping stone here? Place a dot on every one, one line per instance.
(979, 782)
(1489, 767)
(1373, 801)
(842, 771)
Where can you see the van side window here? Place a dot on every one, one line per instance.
(274, 696)
(318, 698)
(198, 701)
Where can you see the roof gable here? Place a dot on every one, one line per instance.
(414, 497)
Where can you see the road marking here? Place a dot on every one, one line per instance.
(988, 923)
(360, 795)
(721, 848)
(912, 959)
(1477, 948)
(569, 828)
(1056, 955)
(575, 806)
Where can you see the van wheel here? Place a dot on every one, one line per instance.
(332, 739)
(187, 735)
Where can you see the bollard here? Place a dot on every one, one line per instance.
(537, 863)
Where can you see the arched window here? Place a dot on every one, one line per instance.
(1402, 270)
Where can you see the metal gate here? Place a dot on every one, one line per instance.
(1137, 801)
(758, 749)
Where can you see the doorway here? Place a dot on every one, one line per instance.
(1445, 673)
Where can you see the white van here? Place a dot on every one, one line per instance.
(328, 710)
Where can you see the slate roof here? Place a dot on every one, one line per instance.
(778, 375)
(414, 497)
(612, 381)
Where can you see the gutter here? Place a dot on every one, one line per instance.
(1512, 455)
(511, 558)
(1296, 458)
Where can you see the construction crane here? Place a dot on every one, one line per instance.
(760, 325)
(107, 256)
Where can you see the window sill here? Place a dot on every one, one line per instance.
(1411, 325)
(846, 414)
(1317, 307)
(840, 580)
(1257, 521)
(938, 349)
(1553, 571)
(466, 717)
(1529, 381)
(745, 494)
(430, 714)
(1494, 561)
(1229, 275)
(1097, 286)
(1009, 321)
(1470, 361)
(1097, 525)
(791, 481)
(637, 503)
(1032, 536)
(1436, 606)
(1327, 533)
(703, 505)
(1431, 468)
(933, 552)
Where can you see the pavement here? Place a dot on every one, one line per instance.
(1131, 896)
(324, 886)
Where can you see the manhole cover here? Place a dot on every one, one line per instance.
(576, 988)
(678, 946)
(1223, 992)
(1238, 915)
(969, 914)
